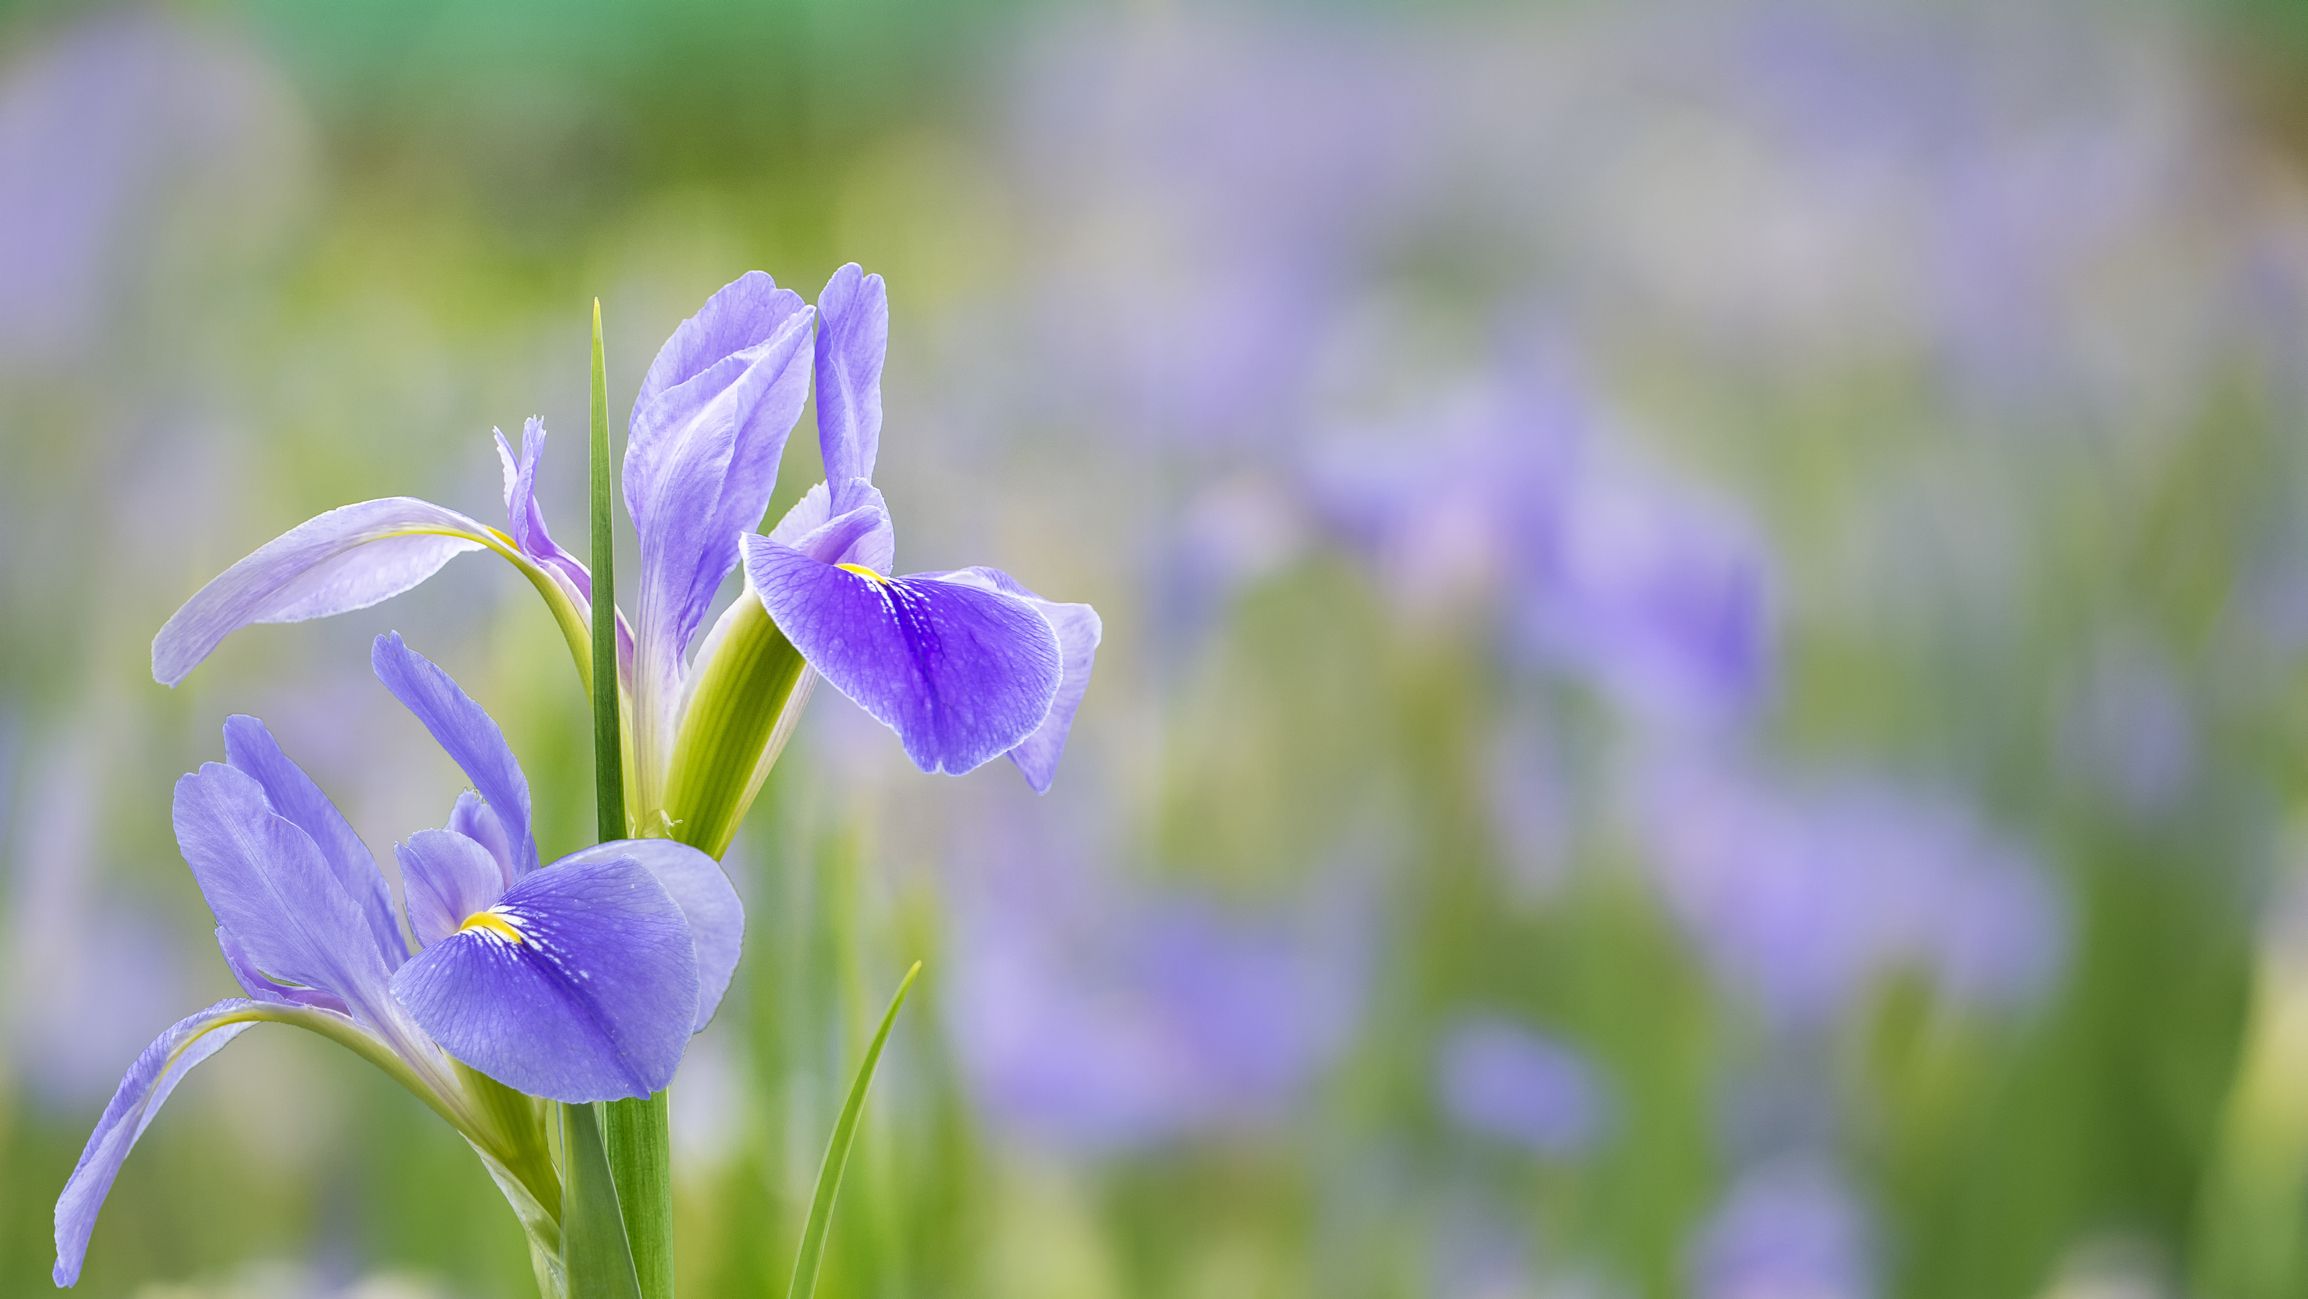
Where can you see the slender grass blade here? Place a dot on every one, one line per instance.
(813, 1232)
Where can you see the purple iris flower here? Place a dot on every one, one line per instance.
(966, 665)
(579, 981)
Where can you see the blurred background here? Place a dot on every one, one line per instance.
(1704, 619)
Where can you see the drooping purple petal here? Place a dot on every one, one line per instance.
(472, 818)
(525, 520)
(581, 984)
(1078, 632)
(343, 560)
(962, 673)
(447, 877)
(852, 339)
(701, 462)
(860, 534)
(271, 888)
(250, 748)
(698, 886)
(468, 734)
(142, 1091)
(258, 986)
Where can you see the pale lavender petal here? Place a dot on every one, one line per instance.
(446, 877)
(472, 818)
(525, 520)
(1078, 632)
(459, 726)
(860, 534)
(147, 1085)
(741, 314)
(268, 884)
(701, 462)
(250, 748)
(254, 982)
(962, 673)
(698, 886)
(343, 560)
(582, 985)
(852, 338)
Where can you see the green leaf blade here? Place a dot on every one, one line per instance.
(608, 747)
(813, 1232)
(595, 1255)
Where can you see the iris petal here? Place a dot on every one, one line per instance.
(1078, 632)
(852, 339)
(708, 429)
(140, 1095)
(257, 984)
(525, 520)
(961, 672)
(590, 996)
(697, 885)
(269, 885)
(346, 559)
(860, 534)
(447, 877)
(472, 818)
(468, 734)
(249, 747)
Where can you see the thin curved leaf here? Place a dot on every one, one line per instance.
(813, 1232)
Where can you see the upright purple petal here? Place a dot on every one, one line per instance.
(579, 985)
(343, 560)
(962, 673)
(741, 314)
(860, 534)
(698, 886)
(467, 733)
(250, 748)
(525, 520)
(852, 338)
(270, 887)
(701, 462)
(472, 818)
(447, 878)
(148, 1082)
(1078, 632)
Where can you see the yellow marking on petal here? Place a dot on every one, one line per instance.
(864, 572)
(496, 924)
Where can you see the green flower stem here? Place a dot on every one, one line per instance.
(632, 1134)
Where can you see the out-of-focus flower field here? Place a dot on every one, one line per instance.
(1704, 620)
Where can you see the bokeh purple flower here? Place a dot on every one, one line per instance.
(1787, 1230)
(1498, 1080)
(1092, 1015)
(1800, 895)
